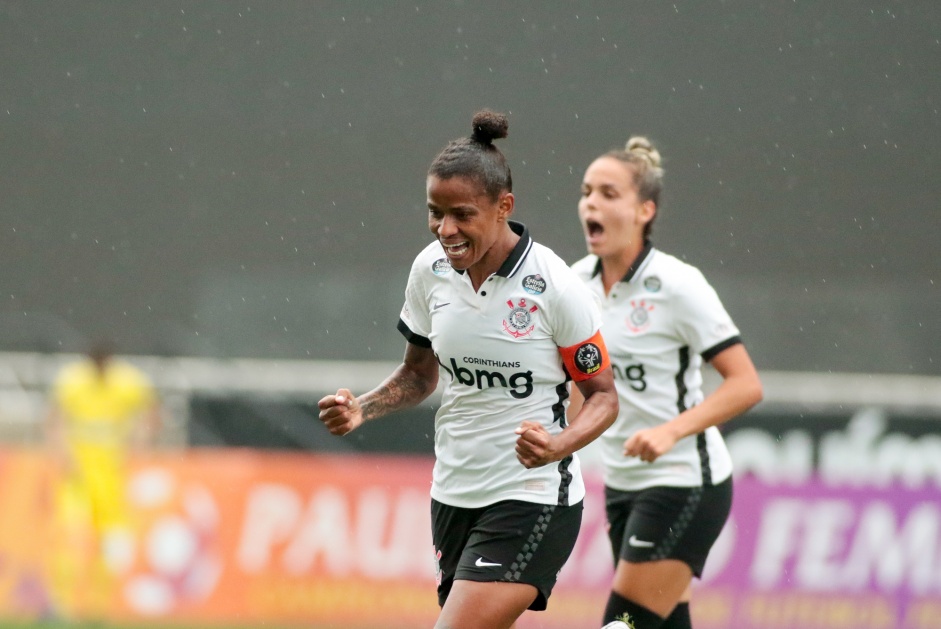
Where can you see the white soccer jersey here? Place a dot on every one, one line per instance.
(660, 321)
(498, 349)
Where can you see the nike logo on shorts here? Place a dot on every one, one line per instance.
(480, 563)
(639, 543)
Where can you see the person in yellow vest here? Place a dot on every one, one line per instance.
(102, 409)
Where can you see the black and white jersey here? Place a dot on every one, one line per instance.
(660, 322)
(500, 354)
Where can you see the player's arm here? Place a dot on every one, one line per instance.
(597, 411)
(413, 381)
(576, 400)
(739, 391)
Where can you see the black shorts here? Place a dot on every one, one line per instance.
(667, 522)
(509, 541)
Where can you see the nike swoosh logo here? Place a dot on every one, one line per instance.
(480, 563)
(639, 543)
(436, 306)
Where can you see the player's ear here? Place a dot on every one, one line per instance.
(505, 204)
(648, 210)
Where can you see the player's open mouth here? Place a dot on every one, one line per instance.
(456, 250)
(593, 230)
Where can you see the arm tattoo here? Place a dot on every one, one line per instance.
(402, 389)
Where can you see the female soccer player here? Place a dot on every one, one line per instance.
(668, 487)
(509, 324)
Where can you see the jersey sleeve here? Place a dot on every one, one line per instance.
(701, 319)
(415, 319)
(577, 331)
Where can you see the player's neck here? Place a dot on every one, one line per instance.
(491, 262)
(616, 266)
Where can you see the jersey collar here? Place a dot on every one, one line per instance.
(515, 260)
(635, 266)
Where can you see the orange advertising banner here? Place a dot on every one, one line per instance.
(242, 537)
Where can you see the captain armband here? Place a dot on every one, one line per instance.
(586, 359)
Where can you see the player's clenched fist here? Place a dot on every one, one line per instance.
(534, 445)
(651, 443)
(340, 413)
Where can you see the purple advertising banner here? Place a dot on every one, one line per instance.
(814, 556)
(807, 555)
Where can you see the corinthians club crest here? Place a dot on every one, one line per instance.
(518, 323)
(639, 319)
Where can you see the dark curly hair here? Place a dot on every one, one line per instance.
(476, 157)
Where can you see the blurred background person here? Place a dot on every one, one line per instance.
(102, 409)
(668, 473)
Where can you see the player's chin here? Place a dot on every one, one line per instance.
(460, 264)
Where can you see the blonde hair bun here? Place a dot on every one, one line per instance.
(642, 147)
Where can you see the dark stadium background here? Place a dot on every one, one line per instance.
(247, 180)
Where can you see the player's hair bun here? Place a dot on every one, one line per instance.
(489, 126)
(642, 147)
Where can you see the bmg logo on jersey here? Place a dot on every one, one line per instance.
(520, 383)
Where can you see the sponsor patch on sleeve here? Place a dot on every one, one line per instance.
(586, 359)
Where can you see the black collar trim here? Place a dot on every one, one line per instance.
(635, 266)
(516, 258)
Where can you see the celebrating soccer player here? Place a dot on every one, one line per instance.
(668, 485)
(509, 325)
